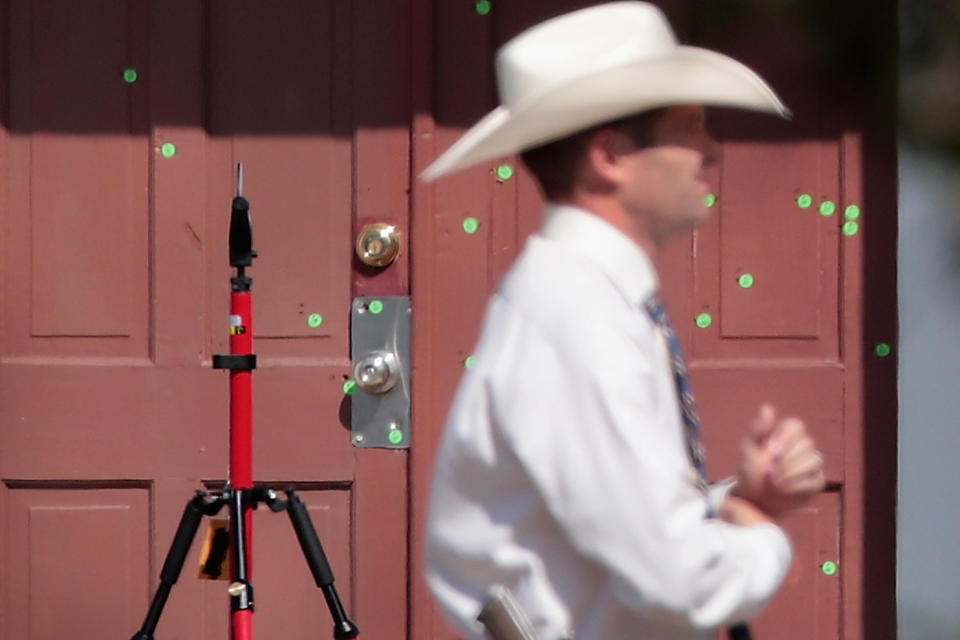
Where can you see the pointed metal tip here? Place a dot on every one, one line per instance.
(239, 178)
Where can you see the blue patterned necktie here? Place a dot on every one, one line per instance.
(690, 420)
(688, 406)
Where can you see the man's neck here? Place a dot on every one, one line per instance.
(613, 213)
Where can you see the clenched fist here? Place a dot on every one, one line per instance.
(780, 466)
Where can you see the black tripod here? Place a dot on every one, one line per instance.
(240, 495)
(241, 592)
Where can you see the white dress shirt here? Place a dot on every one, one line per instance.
(563, 473)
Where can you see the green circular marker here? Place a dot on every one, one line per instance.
(709, 199)
(828, 208)
(882, 350)
(852, 212)
(129, 76)
(704, 320)
(470, 225)
(470, 362)
(168, 149)
(395, 436)
(315, 320)
(804, 201)
(829, 568)
(746, 280)
(504, 172)
(483, 7)
(850, 228)
(349, 387)
(375, 306)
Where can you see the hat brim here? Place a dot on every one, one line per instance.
(686, 75)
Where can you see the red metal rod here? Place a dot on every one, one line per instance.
(241, 392)
(241, 439)
(241, 625)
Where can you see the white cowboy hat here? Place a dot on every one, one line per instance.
(596, 65)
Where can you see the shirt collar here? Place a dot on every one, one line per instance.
(619, 257)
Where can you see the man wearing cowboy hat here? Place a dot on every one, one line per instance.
(571, 472)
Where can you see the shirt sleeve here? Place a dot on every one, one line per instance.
(584, 419)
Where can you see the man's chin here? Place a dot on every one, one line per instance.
(699, 215)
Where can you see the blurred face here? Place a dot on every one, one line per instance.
(663, 183)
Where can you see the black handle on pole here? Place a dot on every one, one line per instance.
(241, 228)
(241, 234)
(740, 632)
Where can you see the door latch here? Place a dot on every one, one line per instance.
(380, 351)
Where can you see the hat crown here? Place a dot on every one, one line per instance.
(578, 44)
(596, 65)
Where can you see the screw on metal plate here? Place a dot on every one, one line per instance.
(380, 349)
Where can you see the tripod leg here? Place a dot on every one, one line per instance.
(200, 505)
(343, 627)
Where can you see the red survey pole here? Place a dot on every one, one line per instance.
(241, 417)
(240, 494)
(241, 402)
(241, 444)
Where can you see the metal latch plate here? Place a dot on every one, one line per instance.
(381, 419)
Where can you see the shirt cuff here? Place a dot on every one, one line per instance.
(772, 537)
(718, 492)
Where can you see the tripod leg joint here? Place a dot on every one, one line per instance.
(208, 504)
(268, 497)
(241, 595)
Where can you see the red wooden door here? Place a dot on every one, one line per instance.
(771, 297)
(122, 124)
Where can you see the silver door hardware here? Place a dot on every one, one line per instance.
(380, 350)
(377, 372)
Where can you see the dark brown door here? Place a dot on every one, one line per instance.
(122, 125)
(774, 299)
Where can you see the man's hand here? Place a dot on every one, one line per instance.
(780, 466)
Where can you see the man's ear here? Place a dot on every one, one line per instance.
(603, 159)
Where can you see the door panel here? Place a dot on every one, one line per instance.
(808, 603)
(794, 290)
(76, 554)
(114, 196)
(766, 269)
(76, 281)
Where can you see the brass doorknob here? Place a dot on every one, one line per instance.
(378, 244)
(377, 372)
